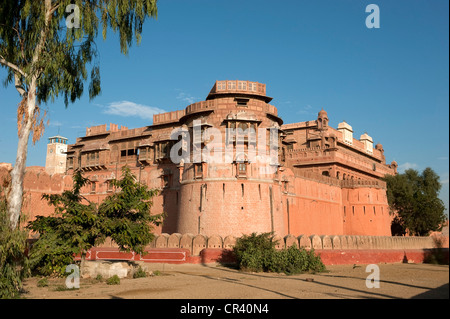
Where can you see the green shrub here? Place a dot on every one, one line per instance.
(140, 273)
(254, 252)
(50, 257)
(257, 253)
(43, 282)
(114, 280)
(295, 261)
(13, 262)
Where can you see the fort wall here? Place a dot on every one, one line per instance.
(187, 248)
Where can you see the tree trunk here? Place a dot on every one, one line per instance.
(15, 195)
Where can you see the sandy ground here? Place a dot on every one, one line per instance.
(213, 281)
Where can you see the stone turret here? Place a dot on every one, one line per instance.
(55, 162)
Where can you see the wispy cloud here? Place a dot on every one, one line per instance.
(127, 108)
(403, 167)
(55, 123)
(308, 109)
(185, 97)
(443, 158)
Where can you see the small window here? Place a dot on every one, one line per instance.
(198, 170)
(241, 102)
(231, 85)
(70, 162)
(242, 168)
(123, 153)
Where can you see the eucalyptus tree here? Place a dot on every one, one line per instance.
(48, 48)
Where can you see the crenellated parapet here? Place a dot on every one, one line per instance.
(197, 243)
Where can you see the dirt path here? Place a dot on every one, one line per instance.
(211, 282)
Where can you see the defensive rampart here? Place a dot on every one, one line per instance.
(188, 248)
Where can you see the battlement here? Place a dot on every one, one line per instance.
(168, 117)
(333, 249)
(239, 87)
(103, 129)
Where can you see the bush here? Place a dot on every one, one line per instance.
(43, 282)
(257, 253)
(254, 252)
(295, 261)
(13, 262)
(140, 273)
(114, 280)
(50, 257)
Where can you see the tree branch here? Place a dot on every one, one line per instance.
(19, 85)
(12, 66)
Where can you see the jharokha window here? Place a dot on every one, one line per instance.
(162, 150)
(198, 170)
(69, 162)
(242, 169)
(109, 186)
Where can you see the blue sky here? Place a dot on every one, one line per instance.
(390, 82)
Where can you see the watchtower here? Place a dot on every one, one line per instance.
(55, 162)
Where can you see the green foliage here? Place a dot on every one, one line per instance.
(13, 262)
(157, 273)
(254, 252)
(140, 273)
(79, 225)
(295, 261)
(73, 229)
(125, 215)
(114, 280)
(43, 282)
(34, 39)
(257, 253)
(414, 199)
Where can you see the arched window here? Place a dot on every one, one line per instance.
(243, 126)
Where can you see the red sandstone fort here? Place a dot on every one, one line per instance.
(325, 181)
